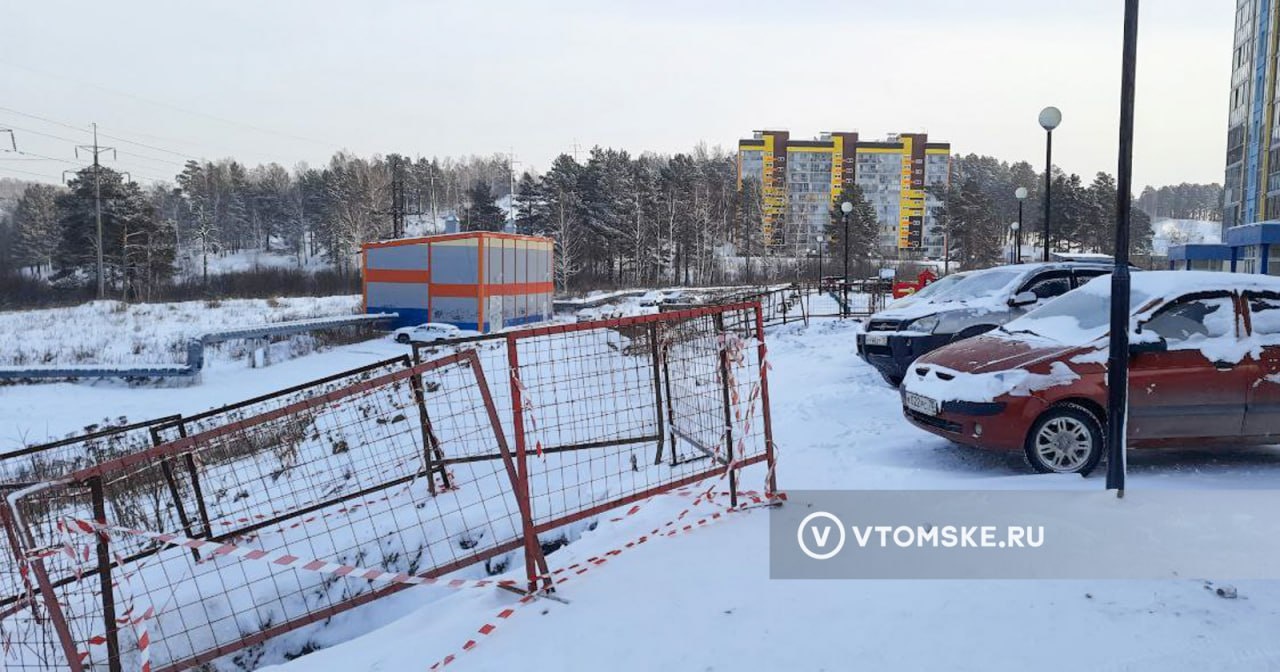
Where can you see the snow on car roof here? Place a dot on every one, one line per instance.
(1165, 283)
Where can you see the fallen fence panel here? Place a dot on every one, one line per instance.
(234, 533)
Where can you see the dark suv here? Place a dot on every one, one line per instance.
(978, 302)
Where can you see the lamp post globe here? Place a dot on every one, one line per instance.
(1050, 118)
(1020, 193)
(846, 207)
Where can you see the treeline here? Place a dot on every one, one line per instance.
(1183, 201)
(218, 208)
(642, 220)
(979, 205)
(617, 218)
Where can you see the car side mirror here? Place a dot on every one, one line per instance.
(1158, 344)
(1023, 299)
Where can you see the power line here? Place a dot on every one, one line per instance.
(81, 164)
(152, 147)
(145, 157)
(66, 139)
(45, 119)
(28, 172)
(206, 115)
(43, 134)
(42, 157)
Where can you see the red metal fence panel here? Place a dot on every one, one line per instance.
(249, 525)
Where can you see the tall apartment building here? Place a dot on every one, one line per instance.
(800, 181)
(1252, 181)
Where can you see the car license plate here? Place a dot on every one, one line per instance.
(920, 403)
(877, 339)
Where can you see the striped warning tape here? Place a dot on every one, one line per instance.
(671, 528)
(280, 558)
(486, 630)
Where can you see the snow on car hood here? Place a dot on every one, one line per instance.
(995, 351)
(982, 304)
(984, 368)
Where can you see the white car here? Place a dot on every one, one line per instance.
(650, 299)
(431, 331)
(588, 315)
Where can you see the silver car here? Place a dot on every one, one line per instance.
(979, 301)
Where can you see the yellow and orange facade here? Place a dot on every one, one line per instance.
(801, 181)
(476, 280)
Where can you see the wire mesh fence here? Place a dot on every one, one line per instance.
(231, 535)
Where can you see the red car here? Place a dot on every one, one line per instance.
(1204, 369)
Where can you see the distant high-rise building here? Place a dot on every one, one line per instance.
(801, 180)
(1252, 181)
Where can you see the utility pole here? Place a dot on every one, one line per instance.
(397, 196)
(398, 211)
(511, 170)
(97, 202)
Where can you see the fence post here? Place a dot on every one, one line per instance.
(533, 557)
(104, 576)
(728, 406)
(657, 388)
(771, 481)
(166, 465)
(671, 408)
(430, 445)
(196, 490)
(36, 566)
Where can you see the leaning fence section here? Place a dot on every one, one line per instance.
(228, 536)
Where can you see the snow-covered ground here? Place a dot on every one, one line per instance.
(704, 600)
(112, 332)
(191, 264)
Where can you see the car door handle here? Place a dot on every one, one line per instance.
(1223, 366)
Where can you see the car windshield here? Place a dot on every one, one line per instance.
(982, 284)
(939, 287)
(1075, 318)
(934, 292)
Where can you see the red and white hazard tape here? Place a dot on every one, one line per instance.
(527, 406)
(281, 558)
(486, 630)
(671, 528)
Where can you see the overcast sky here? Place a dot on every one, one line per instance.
(294, 81)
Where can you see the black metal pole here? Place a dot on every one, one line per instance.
(1048, 186)
(844, 291)
(1017, 236)
(1118, 362)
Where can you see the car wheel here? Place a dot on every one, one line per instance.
(894, 381)
(402, 338)
(1066, 439)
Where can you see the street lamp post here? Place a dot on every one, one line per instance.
(846, 208)
(1021, 194)
(1014, 255)
(1050, 118)
(1118, 358)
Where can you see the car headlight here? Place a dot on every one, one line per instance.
(925, 324)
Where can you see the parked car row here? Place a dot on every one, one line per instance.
(1022, 365)
(961, 306)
